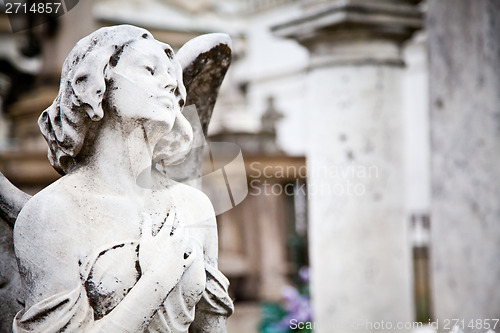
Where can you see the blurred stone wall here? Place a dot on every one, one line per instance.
(464, 55)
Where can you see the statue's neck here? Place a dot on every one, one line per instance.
(120, 160)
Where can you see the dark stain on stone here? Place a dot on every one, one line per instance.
(480, 81)
(113, 61)
(3, 282)
(475, 207)
(137, 264)
(169, 53)
(117, 246)
(45, 313)
(350, 155)
(175, 145)
(102, 302)
(439, 103)
(81, 79)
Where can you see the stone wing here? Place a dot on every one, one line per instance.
(12, 200)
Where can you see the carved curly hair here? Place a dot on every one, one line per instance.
(66, 123)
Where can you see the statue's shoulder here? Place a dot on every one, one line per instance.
(46, 210)
(46, 241)
(194, 198)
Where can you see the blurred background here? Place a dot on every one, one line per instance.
(370, 132)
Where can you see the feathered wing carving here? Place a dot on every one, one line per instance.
(12, 200)
(205, 61)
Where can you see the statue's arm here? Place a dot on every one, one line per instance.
(216, 305)
(47, 244)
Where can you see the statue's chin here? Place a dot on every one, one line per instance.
(172, 150)
(172, 168)
(170, 159)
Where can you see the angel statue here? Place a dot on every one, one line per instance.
(114, 245)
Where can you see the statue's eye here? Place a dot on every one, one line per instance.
(151, 70)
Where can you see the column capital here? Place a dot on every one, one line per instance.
(351, 20)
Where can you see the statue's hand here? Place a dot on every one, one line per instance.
(166, 255)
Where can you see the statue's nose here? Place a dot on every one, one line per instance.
(171, 87)
(168, 82)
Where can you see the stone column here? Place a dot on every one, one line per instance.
(464, 53)
(359, 247)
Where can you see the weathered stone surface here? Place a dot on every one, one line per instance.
(465, 135)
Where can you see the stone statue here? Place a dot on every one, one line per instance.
(115, 245)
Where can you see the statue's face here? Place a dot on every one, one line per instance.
(145, 85)
(146, 88)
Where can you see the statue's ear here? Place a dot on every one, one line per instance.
(204, 61)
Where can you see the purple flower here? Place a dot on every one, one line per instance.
(290, 294)
(304, 274)
(298, 306)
